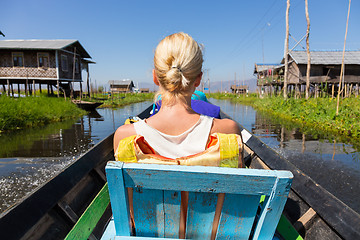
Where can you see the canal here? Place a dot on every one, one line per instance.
(29, 157)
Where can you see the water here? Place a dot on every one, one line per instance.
(30, 157)
(333, 165)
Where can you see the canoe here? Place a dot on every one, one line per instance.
(51, 211)
(88, 106)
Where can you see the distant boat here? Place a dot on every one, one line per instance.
(88, 106)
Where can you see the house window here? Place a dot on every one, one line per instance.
(18, 59)
(64, 63)
(43, 60)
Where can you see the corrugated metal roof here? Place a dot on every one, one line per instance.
(259, 67)
(55, 44)
(36, 44)
(121, 82)
(326, 57)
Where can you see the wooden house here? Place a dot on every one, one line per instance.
(325, 71)
(242, 89)
(55, 63)
(144, 90)
(121, 86)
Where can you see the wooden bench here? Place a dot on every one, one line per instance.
(157, 199)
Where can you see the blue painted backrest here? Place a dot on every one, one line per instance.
(157, 199)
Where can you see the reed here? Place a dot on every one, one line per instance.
(19, 113)
(312, 115)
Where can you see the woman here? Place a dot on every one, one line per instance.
(177, 131)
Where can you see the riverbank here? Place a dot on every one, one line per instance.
(315, 116)
(26, 112)
(120, 99)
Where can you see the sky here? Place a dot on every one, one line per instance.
(121, 36)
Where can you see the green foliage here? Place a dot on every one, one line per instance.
(19, 113)
(121, 99)
(315, 115)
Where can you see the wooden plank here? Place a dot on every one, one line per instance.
(119, 200)
(331, 209)
(14, 223)
(88, 220)
(305, 219)
(237, 216)
(201, 211)
(286, 230)
(334, 212)
(149, 212)
(199, 178)
(172, 201)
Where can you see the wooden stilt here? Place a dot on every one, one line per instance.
(19, 89)
(48, 89)
(350, 90)
(8, 87)
(52, 90)
(40, 88)
(4, 89)
(81, 91)
(332, 90)
(58, 88)
(356, 90)
(34, 87)
(26, 87)
(12, 89)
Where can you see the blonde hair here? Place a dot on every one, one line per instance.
(177, 61)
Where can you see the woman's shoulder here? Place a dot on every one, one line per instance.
(122, 132)
(226, 126)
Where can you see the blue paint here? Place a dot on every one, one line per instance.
(157, 199)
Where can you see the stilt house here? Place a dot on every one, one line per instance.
(324, 71)
(55, 63)
(121, 86)
(242, 89)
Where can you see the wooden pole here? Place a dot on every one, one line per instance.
(8, 87)
(342, 63)
(26, 87)
(12, 89)
(307, 51)
(19, 89)
(40, 88)
(34, 87)
(286, 48)
(72, 85)
(58, 87)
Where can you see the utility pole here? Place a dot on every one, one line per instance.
(286, 48)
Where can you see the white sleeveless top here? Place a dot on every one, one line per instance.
(190, 142)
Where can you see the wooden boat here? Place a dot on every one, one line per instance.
(52, 210)
(88, 106)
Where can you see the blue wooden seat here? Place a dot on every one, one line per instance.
(157, 199)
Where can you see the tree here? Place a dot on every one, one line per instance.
(307, 51)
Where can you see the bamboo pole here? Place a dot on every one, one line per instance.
(342, 63)
(307, 51)
(73, 78)
(286, 48)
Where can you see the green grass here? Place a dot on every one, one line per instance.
(315, 115)
(20, 113)
(120, 99)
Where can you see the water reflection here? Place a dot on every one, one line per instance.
(333, 164)
(30, 157)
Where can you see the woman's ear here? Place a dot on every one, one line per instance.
(155, 79)
(198, 80)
